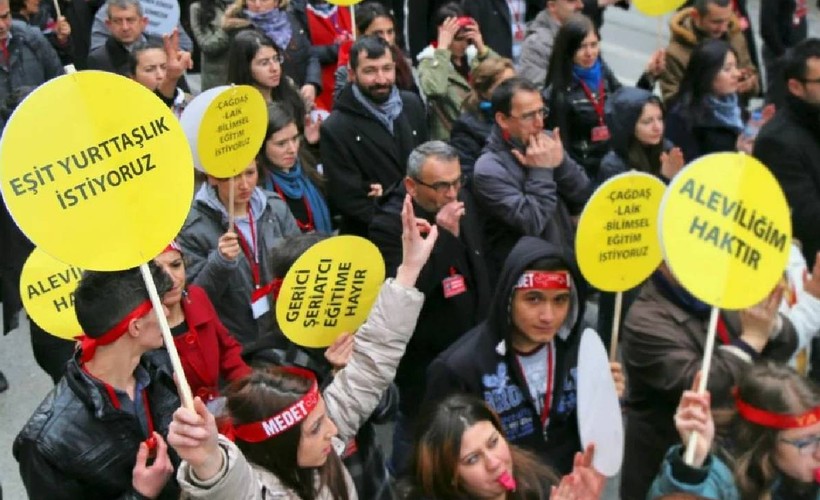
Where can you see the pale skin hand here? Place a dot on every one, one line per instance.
(148, 480)
(338, 354)
(63, 29)
(416, 248)
(758, 321)
(543, 151)
(312, 129)
(376, 191)
(671, 163)
(193, 435)
(449, 216)
(618, 377)
(474, 35)
(308, 93)
(228, 246)
(179, 61)
(657, 63)
(747, 81)
(584, 482)
(694, 414)
(811, 282)
(446, 32)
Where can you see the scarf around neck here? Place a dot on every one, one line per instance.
(723, 112)
(295, 185)
(590, 76)
(680, 297)
(274, 23)
(385, 113)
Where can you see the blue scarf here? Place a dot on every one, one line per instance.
(591, 76)
(275, 24)
(723, 112)
(295, 185)
(386, 113)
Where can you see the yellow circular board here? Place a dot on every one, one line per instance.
(47, 289)
(726, 230)
(657, 7)
(105, 182)
(617, 240)
(344, 3)
(232, 130)
(329, 290)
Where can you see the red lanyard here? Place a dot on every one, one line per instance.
(151, 442)
(545, 411)
(515, 11)
(599, 103)
(251, 256)
(305, 227)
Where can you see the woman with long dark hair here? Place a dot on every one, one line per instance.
(285, 430)
(705, 115)
(775, 441)
(579, 83)
(461, 453)
(290, 172)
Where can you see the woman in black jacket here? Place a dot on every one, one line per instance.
(705, 115)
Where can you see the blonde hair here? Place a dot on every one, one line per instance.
(483, 77)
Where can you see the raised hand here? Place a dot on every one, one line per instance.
(149, 480)
(194, 436)
(308, 93)
(758, 322)
(618, 377)
(584, 482)
(62, 29)
(447, 31)
(694, 414)
(228, 246)
(416, 248)
(672, 162)
(657, 63)
(811, 282)
(312, 128)
(376, 191)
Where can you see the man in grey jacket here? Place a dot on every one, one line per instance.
(26, 57)
(537, 48)
(524, 182)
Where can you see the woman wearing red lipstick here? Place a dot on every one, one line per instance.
(775, 441)
(461, 453)
(207, 350)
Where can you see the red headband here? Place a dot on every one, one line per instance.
(775, 420)
(543, 280)
(173, 246)
(89, 345)
(255, 432)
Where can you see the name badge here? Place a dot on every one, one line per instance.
(259, 306)
(600, 133)
(454, 285)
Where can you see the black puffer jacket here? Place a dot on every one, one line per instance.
(469, 136)
(482, 363)
(77, 445)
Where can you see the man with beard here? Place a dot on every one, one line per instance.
(369, 135)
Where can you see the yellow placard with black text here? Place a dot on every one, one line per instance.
(47, 289)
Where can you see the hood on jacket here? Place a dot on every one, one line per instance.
(683, 28)
(623, 109)
(524, 253)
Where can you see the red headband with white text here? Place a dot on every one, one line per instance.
(544, 280)
(775, 420)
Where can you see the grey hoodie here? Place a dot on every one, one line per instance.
(229, 284)
(534, 63)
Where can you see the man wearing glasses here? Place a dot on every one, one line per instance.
(524, 182)
(454, 280)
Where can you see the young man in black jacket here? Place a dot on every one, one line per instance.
(99, 433)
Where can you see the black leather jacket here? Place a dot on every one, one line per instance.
(78, 445)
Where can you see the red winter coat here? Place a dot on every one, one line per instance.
(208, 351)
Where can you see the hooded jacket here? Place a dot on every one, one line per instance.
(623, 110)
(521, 201)
(357, 150)
(78, 445)
(685, 37)
(483, 363)
(229, 284)
(537, 48)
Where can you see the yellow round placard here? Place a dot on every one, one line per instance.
(47, 289)
(726, 230)
(658, 7)
(329, 290)
(232, 130)
(344, 3)
(617, 240)
(112, 183)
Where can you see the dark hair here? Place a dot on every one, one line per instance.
(504, 93)
(373, 47)
(698, 79)
(103, 299)
(137, 49)
(641, 157)
(560, 74)
(438, 443)
(279, 117)
(796, 61)
(259, 396)
(207, 12)
(452, 9)
(367, 12)
(243, 49)
(702, 6)
(778, 389)
(284, 255)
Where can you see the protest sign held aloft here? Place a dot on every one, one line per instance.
(47, 289)
(329, 290)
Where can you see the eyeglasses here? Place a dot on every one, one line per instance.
(443, 187)
(806, 446)
(538, 114)
(811, 80)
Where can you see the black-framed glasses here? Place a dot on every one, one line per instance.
(443, 187)
(538, 114)
(805, 446)
(811, 80)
